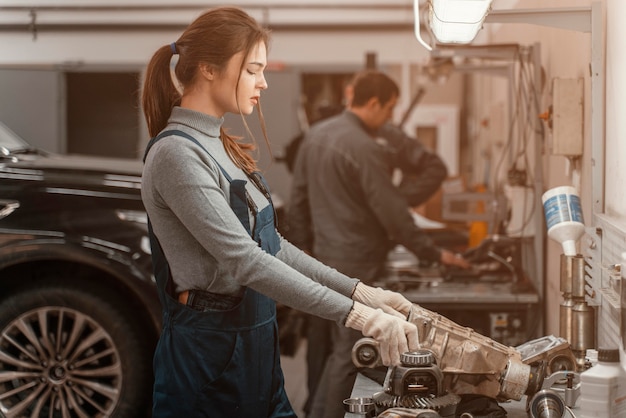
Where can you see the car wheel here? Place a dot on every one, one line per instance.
(66, 351)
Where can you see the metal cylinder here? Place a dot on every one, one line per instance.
(573, 275)
(546, 404)
(578, 276)
(365, 353)
(515, 380)
(566, 274)
(583, 327)
(565, 319)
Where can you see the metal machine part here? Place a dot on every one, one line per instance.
(561, 376)
(555, 351)
(417, 375)
(408, 413)
(565, 384)
(361, 406)
(416, 384)
(583, 331)
(444, 405)
(546, 404)
(577, 318)
(501, 252)
(496, 259)
(471, 363)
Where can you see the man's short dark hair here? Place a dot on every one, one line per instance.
(372, 83)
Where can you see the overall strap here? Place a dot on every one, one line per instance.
(189, 137)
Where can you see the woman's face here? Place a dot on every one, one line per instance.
(251, 78)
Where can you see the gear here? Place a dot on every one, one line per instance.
(409, 413)
(417, 358)
(444, 404)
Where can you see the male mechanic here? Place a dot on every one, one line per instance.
(343, 189)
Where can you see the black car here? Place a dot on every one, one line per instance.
(79, 312)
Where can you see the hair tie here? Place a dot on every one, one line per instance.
(173, 48)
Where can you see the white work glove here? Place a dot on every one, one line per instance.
(394, 335)
(391, 302)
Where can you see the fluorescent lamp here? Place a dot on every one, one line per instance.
(457, 21)
(418, 26)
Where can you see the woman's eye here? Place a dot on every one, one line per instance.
(251, 72)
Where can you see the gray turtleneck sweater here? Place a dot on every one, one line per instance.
(187, 199)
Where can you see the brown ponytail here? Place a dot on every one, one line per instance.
(239, 151)
(159, 92)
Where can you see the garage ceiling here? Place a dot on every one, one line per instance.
(306, 15)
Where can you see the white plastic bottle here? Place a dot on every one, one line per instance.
(591, 357)
(602, 387)
(564, 217)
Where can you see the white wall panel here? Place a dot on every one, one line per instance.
(615, 193)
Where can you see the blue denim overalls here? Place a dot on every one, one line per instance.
(219, 363)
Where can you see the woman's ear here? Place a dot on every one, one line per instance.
(207, 71)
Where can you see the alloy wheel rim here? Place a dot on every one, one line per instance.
(58, 362)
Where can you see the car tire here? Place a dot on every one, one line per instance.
(69, 351)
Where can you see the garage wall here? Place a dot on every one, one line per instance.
(29, 105)
(567, 54)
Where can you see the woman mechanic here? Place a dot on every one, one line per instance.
(218, 260)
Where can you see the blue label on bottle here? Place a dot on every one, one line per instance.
(562, 208)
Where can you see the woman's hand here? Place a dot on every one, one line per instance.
(395, 336)
(375, 297)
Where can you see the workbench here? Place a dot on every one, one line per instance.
(499, 309)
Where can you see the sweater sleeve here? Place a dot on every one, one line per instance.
(311, 267)
(187, 183)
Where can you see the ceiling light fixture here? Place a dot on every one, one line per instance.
(456, 21)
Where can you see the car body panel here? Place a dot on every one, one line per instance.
(70, 222)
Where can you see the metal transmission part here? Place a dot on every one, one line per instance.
(417, 383)
(470, 362)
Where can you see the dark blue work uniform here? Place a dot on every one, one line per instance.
(223, 361)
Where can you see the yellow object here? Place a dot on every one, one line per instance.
(477, 233)
(478, 229)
